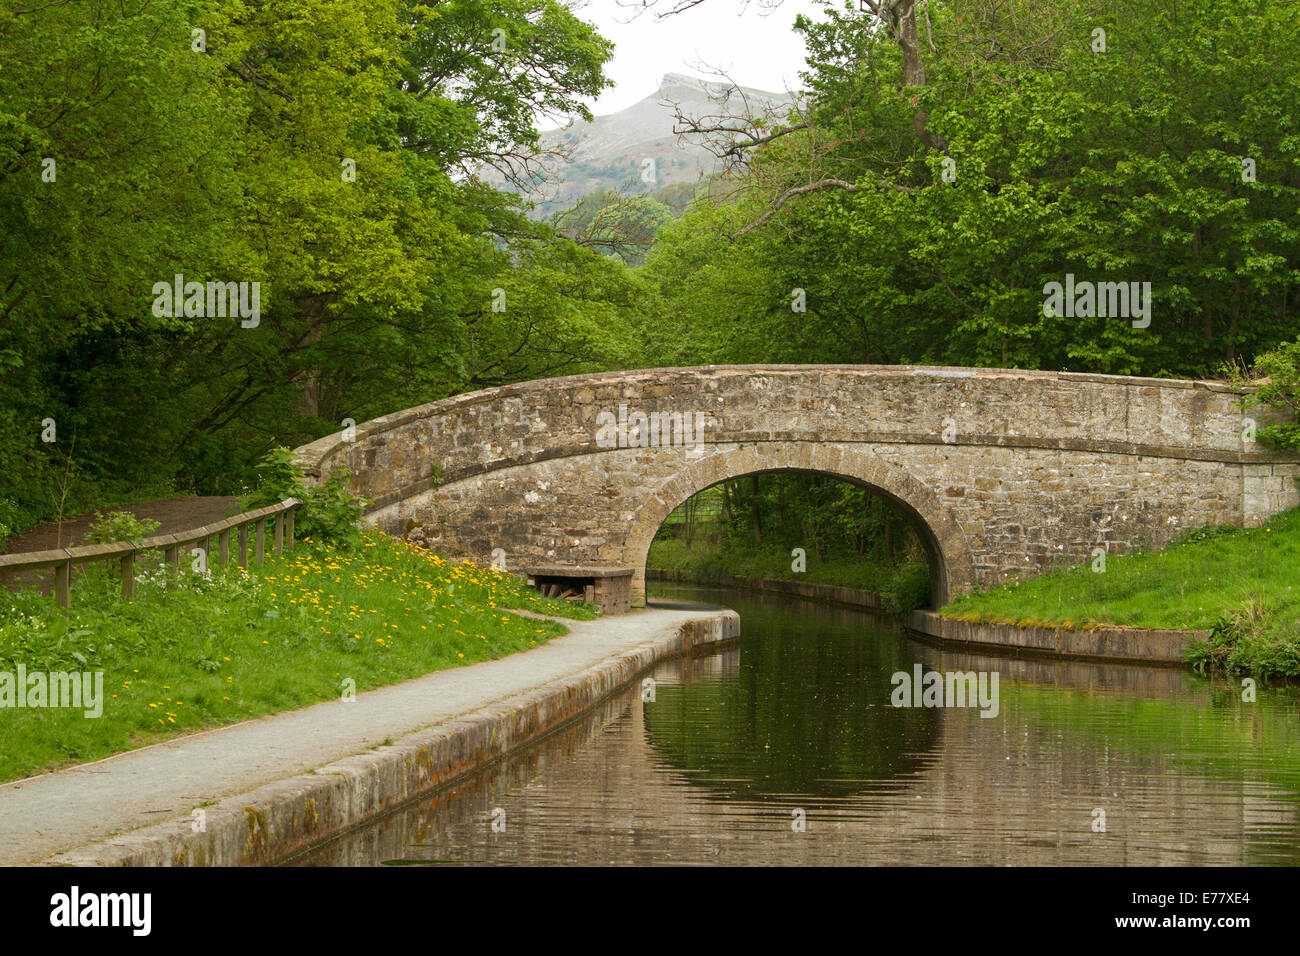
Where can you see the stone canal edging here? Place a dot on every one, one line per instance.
(1123, 644)
(273, 822)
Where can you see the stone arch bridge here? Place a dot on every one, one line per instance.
(1003, 473)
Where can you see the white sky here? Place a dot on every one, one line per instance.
(757, 47)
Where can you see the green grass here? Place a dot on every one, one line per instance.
(901, 587)
(1243, 585)
(237, 645)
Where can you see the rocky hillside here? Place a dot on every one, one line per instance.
(635, 150)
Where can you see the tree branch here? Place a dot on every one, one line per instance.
(793, 191)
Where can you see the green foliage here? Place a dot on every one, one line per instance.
(1245, 641)
(676, 196)
(332, 513)
(279, 476)
(329, 512)
(119, 526)
(232, 165)
(614, 225)
(1280, 389)
(1126, 166)
(909, 589)
(901, 587)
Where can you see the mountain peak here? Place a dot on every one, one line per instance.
(620, 150)
(679, 80)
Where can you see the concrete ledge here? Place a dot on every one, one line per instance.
(852, 597)
(1125, 644)
(273, 822)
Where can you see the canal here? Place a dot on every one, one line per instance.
(785, 749)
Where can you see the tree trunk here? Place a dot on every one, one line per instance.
(1236, 316)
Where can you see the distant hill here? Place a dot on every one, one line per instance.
(611, 151)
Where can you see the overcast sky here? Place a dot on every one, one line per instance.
(758, 48)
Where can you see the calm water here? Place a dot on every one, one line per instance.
(794, 724)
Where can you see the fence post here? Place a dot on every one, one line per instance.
(260, 551)
(279, 533)
(171, 556)
(128, 576)
(223, 545)
(63, 584)
(288, 531)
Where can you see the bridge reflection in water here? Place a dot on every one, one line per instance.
(795, 722)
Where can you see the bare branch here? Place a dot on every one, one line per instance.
(803, 190)
(733, 128)
(640, 7)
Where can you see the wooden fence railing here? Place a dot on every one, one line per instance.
(63, 560)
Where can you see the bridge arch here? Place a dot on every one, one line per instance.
(952, 567)
(1005, 473)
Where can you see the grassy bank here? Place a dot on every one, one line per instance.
(901, 587)
(234, 645)
(1241, 585)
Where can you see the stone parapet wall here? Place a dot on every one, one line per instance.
(1004, 473)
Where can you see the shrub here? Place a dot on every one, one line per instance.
(1247, 640)
(13, 518)
(1280, 389)
(909, 589)
(119, 526)
(329, 511)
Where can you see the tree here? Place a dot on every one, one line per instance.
(322, 153)
(1140, 164)
(614, 225)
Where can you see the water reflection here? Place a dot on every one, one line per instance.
(794, 724)
(790, 718)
